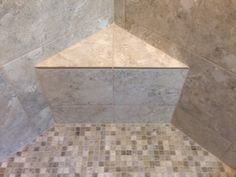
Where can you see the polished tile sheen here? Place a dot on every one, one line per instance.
(114, 150)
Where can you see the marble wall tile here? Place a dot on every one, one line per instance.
(88, 15)
(170, 19)
(154, 86)
(21, 74)
(202, 134)
(209, 96)
(31, 31)
(143, 113)
(42, 121)
(119, 12)
(214, 33)
(167, 46)
(11, 110)
(27, 25)
(84, 114)
(64, 87)
(14, 122)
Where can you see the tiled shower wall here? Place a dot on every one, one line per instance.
(201, 33)
(30, 31)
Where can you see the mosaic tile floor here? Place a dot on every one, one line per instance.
(114, 150)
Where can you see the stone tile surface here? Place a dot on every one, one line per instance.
(130, 51)
(171, 19)
(21, 74)
(120, 150)
(84, 114)
(68, 87)
(205, 29)
(214, 33)
(230, 155)
(119, 12)
(111, 47)
(27, 25)
(209, 96)
(14, 122)
(94, 51)
(143, 113)
(202, 134)
(31, 31)
(160, 87)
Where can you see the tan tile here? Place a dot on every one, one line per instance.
(170, 19)
(214, 33)
(95, 51)
(202, 134)
(209, 96)
(119, 12)
(132, 52)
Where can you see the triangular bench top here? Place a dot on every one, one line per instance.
(112, 47)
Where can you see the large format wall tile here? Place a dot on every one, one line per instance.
(68, 87)
(11, 110)
(27, 25)
(209, 96)
(143, 86)
(202, 134)
(171, 19)
(143, 113)
(42, 121)
(21, 74)
(84, 114)
(13, 120)
(119, 12)
(214, 33)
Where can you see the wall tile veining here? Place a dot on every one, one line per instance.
(201, 34)
(29, 32)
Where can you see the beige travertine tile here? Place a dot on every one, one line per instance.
(214, 33)
(132, 52)
(171, 19)
(202, 134)
(167, 46)
(112, 47)
(209, 96)
(119, 12)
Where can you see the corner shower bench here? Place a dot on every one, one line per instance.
(112, 76)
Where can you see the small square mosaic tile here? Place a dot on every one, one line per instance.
(114, 150)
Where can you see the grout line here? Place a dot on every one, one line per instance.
(113, 75)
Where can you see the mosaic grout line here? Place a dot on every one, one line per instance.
(114, 150)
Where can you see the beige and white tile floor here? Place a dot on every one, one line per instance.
(119, 150)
